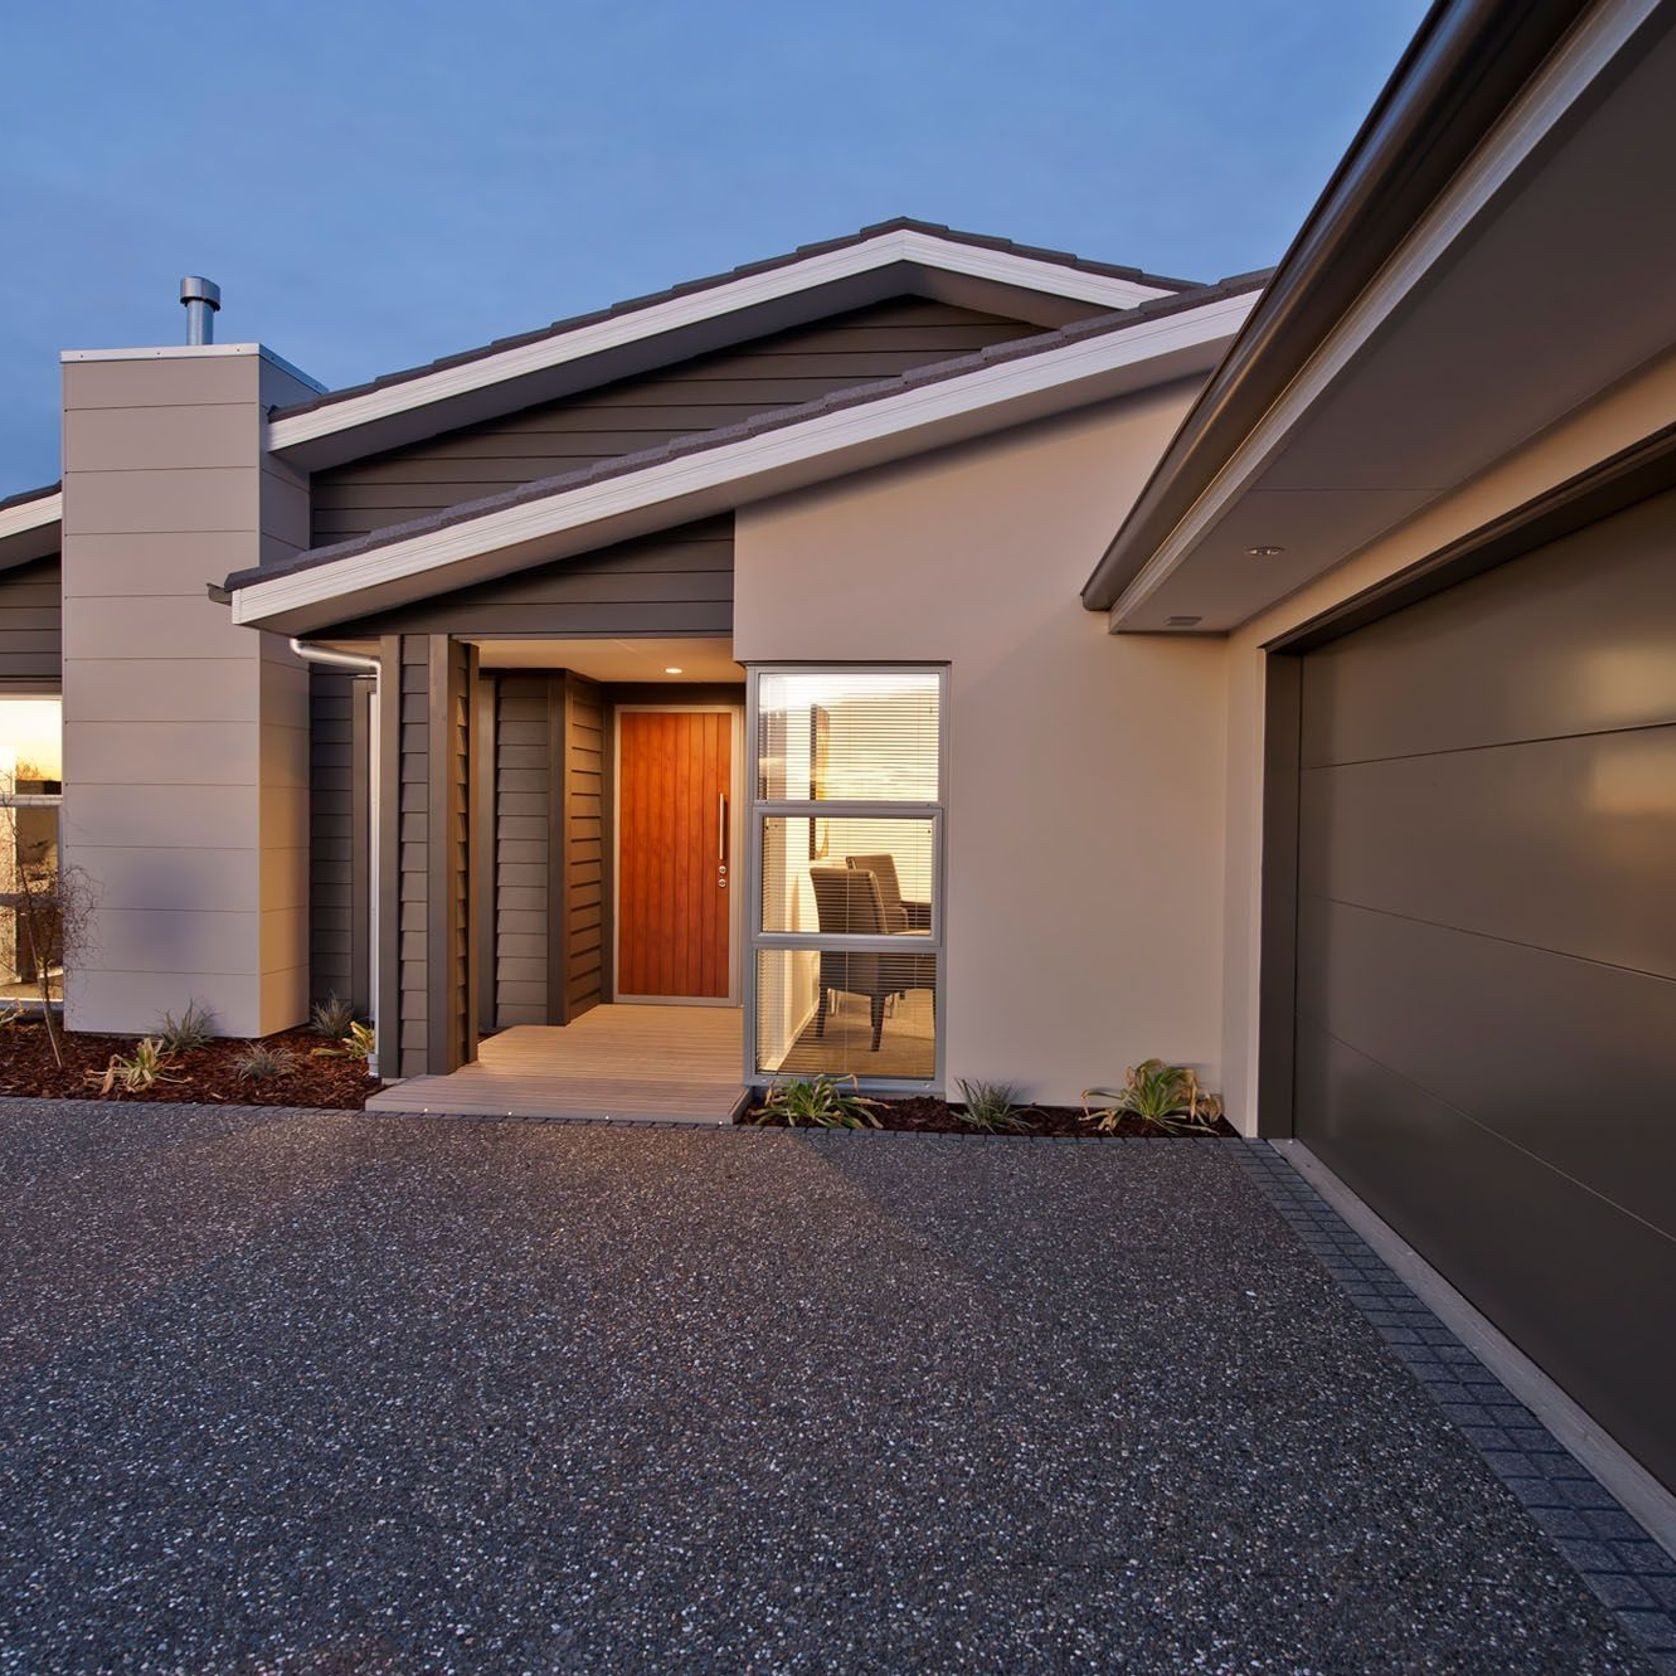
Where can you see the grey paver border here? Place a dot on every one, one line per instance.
(1625, 1568)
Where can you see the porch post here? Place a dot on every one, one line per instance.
(427, 965)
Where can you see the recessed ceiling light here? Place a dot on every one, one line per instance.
(673, 669)
(1265, 551)
(1182, 622)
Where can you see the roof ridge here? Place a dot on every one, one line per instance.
(744, 270)
(772, 419)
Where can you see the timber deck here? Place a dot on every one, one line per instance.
(645, 1064)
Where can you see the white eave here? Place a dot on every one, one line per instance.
(30, 530)
(1179, 343)
(708, 303)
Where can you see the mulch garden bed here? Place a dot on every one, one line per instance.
(207, 1075)
(926, 1116)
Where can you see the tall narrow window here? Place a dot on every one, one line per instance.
(31, 791)
(846, 873)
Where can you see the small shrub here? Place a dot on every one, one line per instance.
(193, 1029)
(332, 1018)
(9, 1015)
(357, 1043)
(1164, 1097)
(818, 1103)
(261, 1063)
(990, 1106)
(133, 1073)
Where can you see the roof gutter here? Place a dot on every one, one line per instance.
(1464, 67)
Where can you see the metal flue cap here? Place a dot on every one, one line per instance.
(201, 298)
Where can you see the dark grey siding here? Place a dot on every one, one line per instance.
(584, 861)
(1486, 949)
(679, 582)
(645, 412)
(410, 803)
(331, 835)
(427, 1002)
(31, 617)
(551, 840)
(453, 994)
(526, 759)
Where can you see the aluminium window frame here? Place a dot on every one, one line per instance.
(757, 810)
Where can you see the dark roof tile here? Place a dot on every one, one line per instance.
(803, 252)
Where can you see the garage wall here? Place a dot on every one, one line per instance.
(1086, 772)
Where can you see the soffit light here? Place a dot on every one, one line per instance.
(1265, 551)
(673, 669)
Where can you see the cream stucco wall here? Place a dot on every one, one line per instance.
(1620, 417)
(1086, 773)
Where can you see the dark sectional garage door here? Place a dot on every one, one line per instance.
(1486, 989)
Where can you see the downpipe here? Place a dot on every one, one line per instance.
(361, 665)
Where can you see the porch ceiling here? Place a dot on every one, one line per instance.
(702, 660)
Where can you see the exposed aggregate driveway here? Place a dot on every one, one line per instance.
(322, 1392)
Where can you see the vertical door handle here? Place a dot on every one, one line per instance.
(721, 827)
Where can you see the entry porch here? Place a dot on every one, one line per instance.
(635, 1064)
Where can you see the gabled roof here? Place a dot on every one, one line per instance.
(1170, 336)
(806, 284)
(29, 525)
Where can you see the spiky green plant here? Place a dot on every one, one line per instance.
(135, 1072)
(194, 1028)
(261, 1063)
(818, 1103)
(990, 1106)
(357, 1043)
(332, 1018)
(1158, 1095)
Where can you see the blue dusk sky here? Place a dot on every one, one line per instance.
(375, 184)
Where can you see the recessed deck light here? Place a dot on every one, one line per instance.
(673, 669)
(1265, 551)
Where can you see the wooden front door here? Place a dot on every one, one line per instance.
(674, 853)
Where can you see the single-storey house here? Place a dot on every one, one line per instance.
(924, 657)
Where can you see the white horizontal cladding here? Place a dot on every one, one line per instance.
(774, 461)
(1551, 94)
(31, 515)
(749, 291)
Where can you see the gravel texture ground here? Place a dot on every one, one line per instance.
(324, 1392)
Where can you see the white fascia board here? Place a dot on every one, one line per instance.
(752, 460)
(635, 325)
(32, 515)
(1551, 93)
